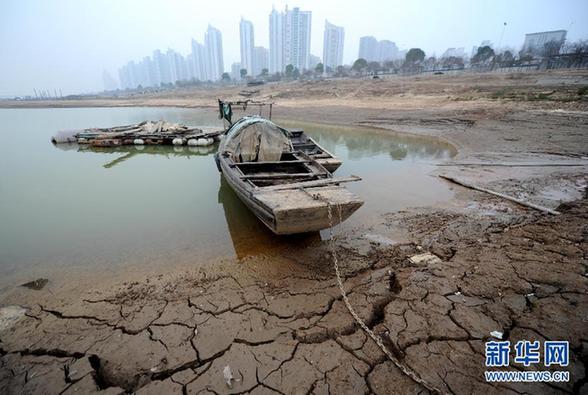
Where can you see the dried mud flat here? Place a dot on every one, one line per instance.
(279, 322)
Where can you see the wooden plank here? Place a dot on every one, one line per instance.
(322, 148)
(270, 162)
(517, 164)
(310, 184)
(276, 175)
(304, 145)
(512, 199)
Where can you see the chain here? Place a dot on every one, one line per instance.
(377, 339)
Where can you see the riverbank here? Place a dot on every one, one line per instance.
(278, 320)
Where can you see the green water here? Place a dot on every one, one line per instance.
(93, 209)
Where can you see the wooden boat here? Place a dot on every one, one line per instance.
(287, 189)
(302, 142)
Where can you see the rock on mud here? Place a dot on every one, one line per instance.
(9, 315)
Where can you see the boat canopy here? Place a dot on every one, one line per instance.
(256, 139)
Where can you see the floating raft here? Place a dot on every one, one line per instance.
(144, 133)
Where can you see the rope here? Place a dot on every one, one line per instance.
(377, 339)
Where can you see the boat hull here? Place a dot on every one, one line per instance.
(294, 211)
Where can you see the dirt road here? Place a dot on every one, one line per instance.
(277, 323)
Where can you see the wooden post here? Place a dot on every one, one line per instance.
(512, 199)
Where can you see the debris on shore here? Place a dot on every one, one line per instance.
(144, 133)
(36, 285)
(9, 315)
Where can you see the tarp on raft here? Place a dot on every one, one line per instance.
(256, 139)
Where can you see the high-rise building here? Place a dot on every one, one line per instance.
(276, 43)
(214, 51)
(314, 60)
(373, 50)
(260, 60)
(173, 61)
(236, 71)
(289, 39)
(298, 38)
(144, 72)
(368, 48)
(454, 53)
(161, 67)
(387, 50)
(128, 76)
(543, 43)
(109, 82)
(123, 77)
(199, 61)
(247, 45)
(333, 45)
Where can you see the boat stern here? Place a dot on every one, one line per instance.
(307, 210)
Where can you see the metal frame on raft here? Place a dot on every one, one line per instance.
(226, 109)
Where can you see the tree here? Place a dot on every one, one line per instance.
(577, 47)
(289, 70)
(389, 65)
(296, 73)
(243, 73)
(264, 72)
(507, 56)
(373, 67)
(359, 65)
(430, 63)
(320, 68)
(505, 59)
(525, 57)
(414, 56)
(484, 54)
(453, 62)
(414, 59)
(225, 77)
(551, 48)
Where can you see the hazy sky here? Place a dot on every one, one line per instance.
(66, 44)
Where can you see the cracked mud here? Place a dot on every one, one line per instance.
(524, 276)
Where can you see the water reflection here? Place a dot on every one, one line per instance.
(97, 207)
(362, 142)
(248, 234)
(129, 151)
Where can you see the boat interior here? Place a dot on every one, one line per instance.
(294, 166)
(302, 142)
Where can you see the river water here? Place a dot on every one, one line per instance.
(72, 207)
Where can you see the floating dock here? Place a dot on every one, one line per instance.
(144, 133)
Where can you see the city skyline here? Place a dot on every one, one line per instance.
(119, 32)
(204, 63)
(285, 28)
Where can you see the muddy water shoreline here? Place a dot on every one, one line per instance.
(279, 321)
(366, 151)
